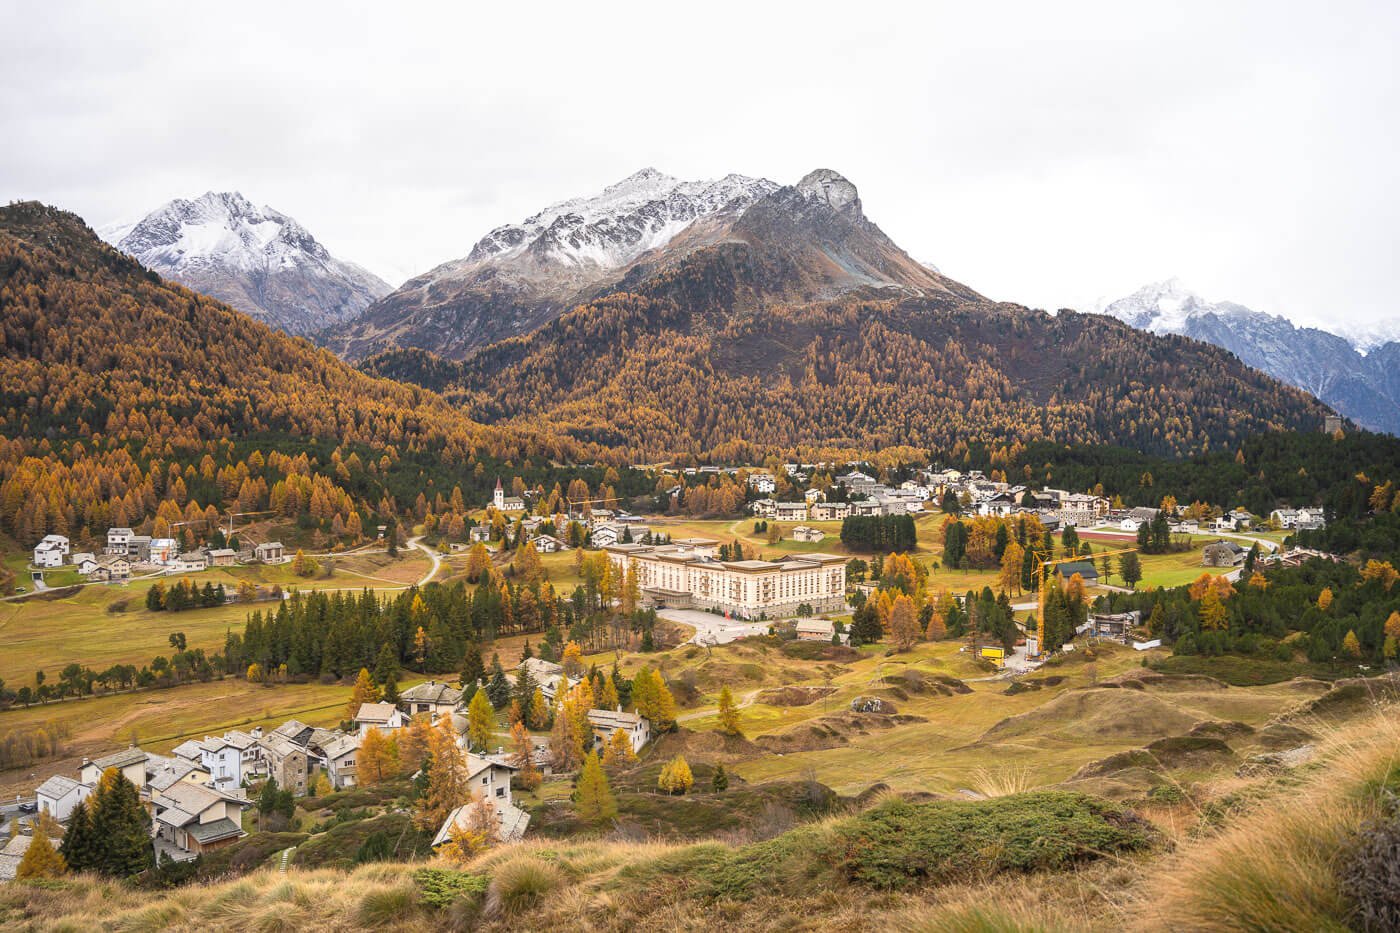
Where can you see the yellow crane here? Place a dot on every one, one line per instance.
(1040, 571)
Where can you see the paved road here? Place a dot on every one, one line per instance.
(711, 629)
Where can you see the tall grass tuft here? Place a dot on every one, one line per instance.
(1002, 781)
(519, 884)
(1278, 867)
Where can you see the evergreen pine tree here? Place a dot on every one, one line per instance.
(720, 781)
(80, 847)
(121, 826)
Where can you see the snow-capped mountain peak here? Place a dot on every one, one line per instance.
(1329, 365)
(257, 259)
(642, 212)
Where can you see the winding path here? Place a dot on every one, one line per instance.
(417, 542)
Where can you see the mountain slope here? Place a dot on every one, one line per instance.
(123, 396)
(1364, 388)
(257, 259)
(519, 277)
(804, 327)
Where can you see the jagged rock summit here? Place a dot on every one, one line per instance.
(806, 241)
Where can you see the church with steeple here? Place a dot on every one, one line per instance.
(504, 503)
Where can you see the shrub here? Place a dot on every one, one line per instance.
(1166, 794)
(439, 887)
(898, 844)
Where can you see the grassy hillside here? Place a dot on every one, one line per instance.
(1292, 847)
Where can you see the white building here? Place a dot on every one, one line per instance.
(605, 722)
(59, 795)
(790, 511)
(386, 717)
(762, 483)
(47, 554)
(687, 575)
(118, 540)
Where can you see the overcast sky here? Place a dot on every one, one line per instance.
(1050, 154)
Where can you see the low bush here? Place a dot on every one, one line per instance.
(899, 844)
(440, 887)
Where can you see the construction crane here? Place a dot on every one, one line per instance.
(1040, 572)
(232, 515)
(571, 504)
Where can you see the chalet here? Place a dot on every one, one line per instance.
(1299, 519)
(790, 511)
(195, 819)
(818, 630)
(1222, 554)
(118, 539)
(131, 762)
(222, 557)
(1085, 568)
(479, 534)
(191, 562)
(339, 754)
(386, 717)
(763, 508)
(229, 758)
(163, 772)
(59, 795)
(58, 541)
(811, 496)
(1136, 518)
(270, 552)
(1186, 526)
(111, 568)
(547, 544)
(605, 722)
(432, 698)
(830, 511)
(490, 783)
(48, 554)
(1003, 503)
(85, 564)
(608, 535)
(547, 676)
(804, 533)
(762, 483)
(286, 762)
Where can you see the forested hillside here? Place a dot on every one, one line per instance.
(676, 371)
(124, 398)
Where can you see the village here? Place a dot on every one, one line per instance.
(197, 794)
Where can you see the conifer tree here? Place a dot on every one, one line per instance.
(593, 799)
(446, 783)
(377, 759)
(720, 781)
(481, 722)
(676, 777)
(363, 692)
(80, 849)
(728, 713)
(121, 826)
(618, 751)
(498, 687)
(41, 859)
(528, 777)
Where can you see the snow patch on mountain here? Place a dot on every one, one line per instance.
(644, 211)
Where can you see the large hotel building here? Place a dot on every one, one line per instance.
(686, 575)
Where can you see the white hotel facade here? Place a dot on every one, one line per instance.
(686, 575)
